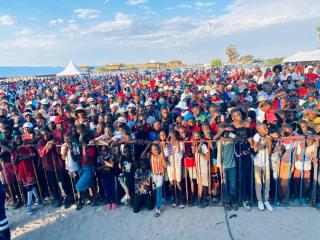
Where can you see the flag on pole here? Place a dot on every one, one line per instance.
(118, 87)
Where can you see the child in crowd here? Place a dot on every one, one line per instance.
(126, 177)
(189, 166)
(243, 153)
(143, 187)
(227, 164)
(25, 155)
(158, 165)
(306, 156)
(174, 153)
(201, 153)
(71, 154)
(261, 145)
(105, 164)
(8, 172)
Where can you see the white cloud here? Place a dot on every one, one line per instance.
(55, 22)
(185, 5)
(71, 27)
(24, 32)
(7, 20)
(203, 4)
(27, 41)
(136, 2)
(144, 7)
(245, 15)
(178, 21)
(197, 5)
(106, 1)
(122, 21)
(86, 13)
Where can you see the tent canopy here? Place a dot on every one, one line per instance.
(71, 69)
(312, 56)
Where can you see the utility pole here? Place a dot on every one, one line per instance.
(210, 48)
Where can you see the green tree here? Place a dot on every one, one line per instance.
(99, 69)
(246, 59)
(232, 54)
(274, 61)
(216, 62)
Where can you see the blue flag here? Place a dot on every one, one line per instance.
(118, 87)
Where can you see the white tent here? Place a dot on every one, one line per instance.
(312, 56)
(71, 69)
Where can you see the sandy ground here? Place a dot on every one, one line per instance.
(189, 223)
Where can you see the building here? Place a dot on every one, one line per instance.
(113, 67)
(152, 65)
(174, 64)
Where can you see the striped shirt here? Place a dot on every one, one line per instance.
(174, 154)
(157, 165)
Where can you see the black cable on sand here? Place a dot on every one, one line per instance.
(228, 224)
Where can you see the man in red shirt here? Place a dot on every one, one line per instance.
(310, 77)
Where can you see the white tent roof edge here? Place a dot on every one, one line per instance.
(310, 56)
(71, 69)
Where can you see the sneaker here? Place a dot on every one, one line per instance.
(174, 205)
(268, 206)
(17, 205)
(203, 204)
(123, 199)
(46, 199)
(297, 201)
(79, 205)
(214, 200)
(157, 213)
(37, 202)
(113, 206)
(260, 205)
(181, 206)
(29, 211)
(234, 206)
(56, 203)
(67, 203)
(227, 206)
(246, 205)
(107, 207)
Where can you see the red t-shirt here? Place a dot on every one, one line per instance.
(310, 78)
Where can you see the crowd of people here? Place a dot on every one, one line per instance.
(196, 137)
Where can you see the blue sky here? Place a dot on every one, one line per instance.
(96, 32)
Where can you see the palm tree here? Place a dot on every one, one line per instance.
(232, 54)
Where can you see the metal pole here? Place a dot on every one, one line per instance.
(210, 48)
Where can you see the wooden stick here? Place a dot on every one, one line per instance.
(21, 191)
(56, 173)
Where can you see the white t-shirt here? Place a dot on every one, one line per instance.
(262, 157)
(71, 164)
(307, 161)
(261, 115)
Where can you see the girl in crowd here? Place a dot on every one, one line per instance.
(158, 165)
(25, 156)
(174, 154)
(105, 164)
(126, 165)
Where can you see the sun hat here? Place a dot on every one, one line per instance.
(43, 113)
(182, 105)
(27, 125)
(121, 120)
(45, 101)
